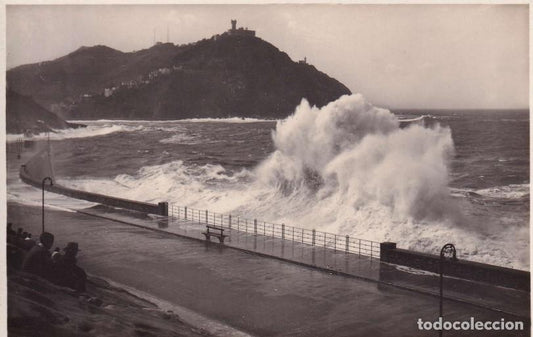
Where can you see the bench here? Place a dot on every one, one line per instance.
(214, 231)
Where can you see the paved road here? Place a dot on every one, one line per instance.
(261, 296)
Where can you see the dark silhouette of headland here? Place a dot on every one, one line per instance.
(24, 115)
(233, 74)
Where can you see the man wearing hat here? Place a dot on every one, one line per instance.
(38, 260)
(68, 273)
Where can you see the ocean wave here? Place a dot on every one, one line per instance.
(415, 119)
(228, 120)
(181, 139)
(347, 168)
(14, 137)
(512, 191)
(89, 131)
(31, 196)
(194, 120)
(358, 153)
(197, 185)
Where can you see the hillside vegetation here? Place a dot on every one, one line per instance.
(225, 76)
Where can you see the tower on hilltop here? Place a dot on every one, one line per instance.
(240, 31)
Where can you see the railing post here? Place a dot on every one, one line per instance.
(347, 244)
(359, 247)
(335, 243)
(255, 226)
(324, 239)
(371, 248)
(283, 231)
(206, 219)
(230, 221)
(163, 208)
(185, 212)
(313, 241)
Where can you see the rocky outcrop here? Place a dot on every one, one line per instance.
(24, 115)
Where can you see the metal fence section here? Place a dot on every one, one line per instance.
(312, 237)
(15, 146)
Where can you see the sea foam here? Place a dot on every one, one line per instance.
(83, 132)
(346, 168)
(356, 153)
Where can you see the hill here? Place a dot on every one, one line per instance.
(23, 114)
(225, 76)
(57, 85)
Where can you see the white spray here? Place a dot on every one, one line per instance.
(347, 168)
(357, 154)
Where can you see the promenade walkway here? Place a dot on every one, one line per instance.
(337, 262)
(261, 296)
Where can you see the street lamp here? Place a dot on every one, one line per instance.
(51, 184)
(446, 253)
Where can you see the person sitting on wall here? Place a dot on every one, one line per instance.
(10, 230)
(56, 255)
(21, 242)
(14, 254)
(67, 272)
(29, 242)
(38, 261)
(20, 237)
(14, 257)
(11, 234)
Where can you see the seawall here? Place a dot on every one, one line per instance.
(506, 277)
(36, 169)
(161, 208)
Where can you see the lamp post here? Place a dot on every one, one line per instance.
(51, 184)
(446, 253)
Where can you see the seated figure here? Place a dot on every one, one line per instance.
(38, 260)
(67, 273)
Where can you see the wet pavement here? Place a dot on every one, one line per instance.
(235, 284)
(334, 261)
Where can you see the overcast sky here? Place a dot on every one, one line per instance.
(398, 56)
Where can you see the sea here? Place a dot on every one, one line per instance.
(419, 178)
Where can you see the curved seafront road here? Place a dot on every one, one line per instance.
(261, 296)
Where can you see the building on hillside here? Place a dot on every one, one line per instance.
(240, 31)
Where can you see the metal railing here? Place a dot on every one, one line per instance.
(312, 237)
(15, 146)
